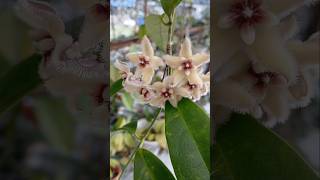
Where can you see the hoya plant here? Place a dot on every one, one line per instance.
(259, 75)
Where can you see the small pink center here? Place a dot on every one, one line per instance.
(166, 93)
(245, 13)
(187, 65)
(143, 61)
(144, 92)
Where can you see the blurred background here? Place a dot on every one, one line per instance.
(39, 137)
(126, 30)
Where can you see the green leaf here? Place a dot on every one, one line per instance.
(56, 123)
(247, 150)
(157, 31)
(127, 100)
(115, 87)
(142, 31)
(188, 137)
(130, 127)
(18, 82)
(148, 167)
(169, 5)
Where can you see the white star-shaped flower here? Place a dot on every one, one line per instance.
(146, 61)
(186, 65)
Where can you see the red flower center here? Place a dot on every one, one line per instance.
(144, 92)
(187, 65)
(247, 13)
(166, 93)
(191, 86)
(143, 61)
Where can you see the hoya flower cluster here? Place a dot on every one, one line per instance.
(181, 76)
(260, 67)
(71, 67)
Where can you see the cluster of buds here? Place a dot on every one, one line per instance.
(260, 67)
(186, 80)
(71, 67)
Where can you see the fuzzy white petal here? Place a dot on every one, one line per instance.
(194, 78)
(147, 47)
(133, 57)
(248, 35)
(173, 61)
(186, 50)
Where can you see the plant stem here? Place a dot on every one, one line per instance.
(141, 142)
(167, 70)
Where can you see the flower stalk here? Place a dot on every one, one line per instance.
(141, 142)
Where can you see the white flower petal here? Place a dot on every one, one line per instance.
(146, 47)
(276, 105)
(133, 57)
(200, 59)
(248, 35)
(271, 52)
(147, 74)
(158, 102)
(194, 78)
(183, 92)
(178, 76)
(156, 62)
(196, 94)
(173, 101)
(157, 86)
(173, 61)
(186, 48)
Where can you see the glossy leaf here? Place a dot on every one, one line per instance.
(130, 127)
(148, 167)
(169, 5)
(247, 150)
(56, 123)
(157, 31)
(188, 137)
(115, 87)
(18, 82)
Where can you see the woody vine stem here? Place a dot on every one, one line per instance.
(167, 72)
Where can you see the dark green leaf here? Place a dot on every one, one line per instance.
(169, 5)
(115, 87)
(18, 82)
(188, 137)
(148, 167)
(247, 150)
(56, 123)
(157, 31)
(130, 127)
